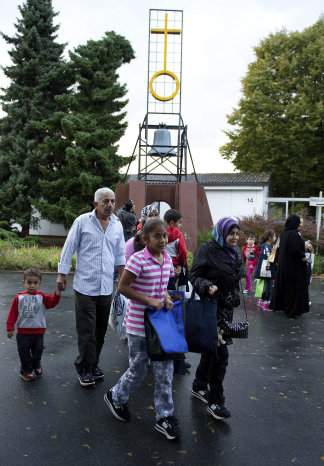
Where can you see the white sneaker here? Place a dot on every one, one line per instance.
(246, 292)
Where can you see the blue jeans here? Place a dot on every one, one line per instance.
(30, 349)
(135, 374)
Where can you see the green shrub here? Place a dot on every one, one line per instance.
(318, 265)
(203, 236)
(189, 259)
(32, 240)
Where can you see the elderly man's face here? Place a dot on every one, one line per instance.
(105, 206)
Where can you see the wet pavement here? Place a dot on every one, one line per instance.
(274, 389)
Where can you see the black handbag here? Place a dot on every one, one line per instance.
(235, 329)
(201, 325)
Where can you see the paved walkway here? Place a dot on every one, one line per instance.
(274, 388)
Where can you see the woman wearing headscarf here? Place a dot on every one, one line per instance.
(216, 272)
(291, 287)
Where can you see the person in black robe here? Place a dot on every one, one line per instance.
(291, 288)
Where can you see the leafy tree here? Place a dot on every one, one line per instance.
(35, 78)
(278, 124)
(82, 138)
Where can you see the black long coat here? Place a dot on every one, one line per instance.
(291, 286)
(212, 266)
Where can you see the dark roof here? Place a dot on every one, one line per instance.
(212, 179)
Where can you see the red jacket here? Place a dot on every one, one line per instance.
(29, 310)
(176, 247)
(248, 249)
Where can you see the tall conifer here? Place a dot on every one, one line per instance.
(36, 76)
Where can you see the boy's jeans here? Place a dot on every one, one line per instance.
(30, 349)
(249, 272)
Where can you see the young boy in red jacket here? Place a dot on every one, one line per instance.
(28, 310)
(176, 248)
(250, 257)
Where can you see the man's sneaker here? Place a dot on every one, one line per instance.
(120, 412)
(38, 371)
(97, 373)
(86, 378)
(260, 303)
(201, 395)
(28, 376)
(169, 427)
(218, 412)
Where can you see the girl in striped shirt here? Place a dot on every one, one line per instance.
(144, 281)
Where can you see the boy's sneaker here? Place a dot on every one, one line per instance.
(86, 378)
(169, 427)
(97, 373)
(120, 412)
(201, 395)
(246, 291)
(38, 371)
(218, 412)
(260, 303)
(28, 376)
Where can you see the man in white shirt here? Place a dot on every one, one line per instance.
(97, 238)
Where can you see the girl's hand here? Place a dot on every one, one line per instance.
(212, 289)
(168, 303)
(157, 303)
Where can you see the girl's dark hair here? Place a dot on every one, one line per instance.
(151, 225)
(32, 272)
(267, 235)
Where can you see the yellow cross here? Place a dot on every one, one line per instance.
(165, 31)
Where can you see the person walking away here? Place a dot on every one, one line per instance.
(310, 256)
(144, 281)
(128, 219)
(216, 272)
(291, 286)
(97, 238)
(250, 258)
(267, 241)
(28, 311)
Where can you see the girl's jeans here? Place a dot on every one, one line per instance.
(249, 272)
(135, 374)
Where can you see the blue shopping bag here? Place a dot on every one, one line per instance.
(165, 334)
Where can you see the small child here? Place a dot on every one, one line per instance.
(250, 258)
(144, 281)
(28, 310)
(176, 248)
(267, 241)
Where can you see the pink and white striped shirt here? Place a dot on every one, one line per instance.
(152, 280)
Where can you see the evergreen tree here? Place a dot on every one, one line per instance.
(35, 78)
(82, 139)
(278, 125)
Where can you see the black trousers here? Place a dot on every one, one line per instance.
(92, 314)
(212, 371)
(30, 349)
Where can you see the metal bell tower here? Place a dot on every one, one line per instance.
(162, 142)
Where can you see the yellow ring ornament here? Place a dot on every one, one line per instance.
(167, 73)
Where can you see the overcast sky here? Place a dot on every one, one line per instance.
(218, 41)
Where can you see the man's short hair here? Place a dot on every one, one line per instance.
(172, 214)
(32, 272)
(100, 192)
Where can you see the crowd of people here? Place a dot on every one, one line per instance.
(150, 257)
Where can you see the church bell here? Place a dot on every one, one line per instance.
(162, 143)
